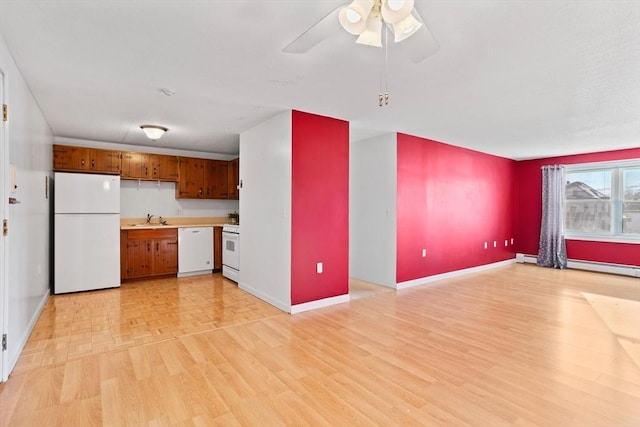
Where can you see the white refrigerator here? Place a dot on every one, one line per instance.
(86, 232)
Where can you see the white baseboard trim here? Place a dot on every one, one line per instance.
(600, 267)
(450, 274)
(194, 273)
(524, 258)
(15, 349)
(286, 307)
(312, 305)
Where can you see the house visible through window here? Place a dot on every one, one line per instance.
(603, 201)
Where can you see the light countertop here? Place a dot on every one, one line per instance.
(178, 222)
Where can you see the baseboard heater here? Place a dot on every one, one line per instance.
(601, 267)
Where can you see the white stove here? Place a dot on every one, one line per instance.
(231, 251)
(231, 228)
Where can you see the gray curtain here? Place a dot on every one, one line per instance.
(552, 251)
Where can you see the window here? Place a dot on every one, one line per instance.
(603, 201)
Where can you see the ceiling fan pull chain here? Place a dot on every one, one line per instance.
(386, 65)
(381, 78)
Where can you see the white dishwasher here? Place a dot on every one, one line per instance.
(195, 251)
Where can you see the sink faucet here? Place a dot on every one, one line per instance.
(149, 216)
(162, 221)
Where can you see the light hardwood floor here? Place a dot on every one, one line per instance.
(518, 345)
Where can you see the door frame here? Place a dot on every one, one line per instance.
(4, 214)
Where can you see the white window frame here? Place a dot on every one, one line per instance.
(617, 198)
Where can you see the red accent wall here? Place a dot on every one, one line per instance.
(529, 211)
(319, 207)
(450, 200)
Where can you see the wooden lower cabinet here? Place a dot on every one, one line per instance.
(217, 248)
(148, 253)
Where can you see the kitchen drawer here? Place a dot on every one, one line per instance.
(154, 233)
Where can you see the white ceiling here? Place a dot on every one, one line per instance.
(519, 79)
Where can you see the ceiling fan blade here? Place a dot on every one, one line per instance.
(326, 27)
(420, 45)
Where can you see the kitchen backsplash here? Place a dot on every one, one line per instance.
(138, 198)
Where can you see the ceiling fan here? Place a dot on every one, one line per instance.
(367, 19)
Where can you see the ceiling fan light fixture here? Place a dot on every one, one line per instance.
(153, 132)
(394, 11)
(353, 17)
(405, 28)
(372, 35)
(354, 27)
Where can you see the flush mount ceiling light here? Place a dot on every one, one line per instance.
(153, 132)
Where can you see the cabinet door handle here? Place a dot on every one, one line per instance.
(149, 247)
(82, 162)
(157, 246)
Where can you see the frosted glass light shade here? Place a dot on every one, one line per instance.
(353, 18)
(405, 28)
(372, 35)
(394, 11)
(153, 132)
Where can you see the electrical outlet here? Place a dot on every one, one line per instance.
(424, 253)
(319, 268)
(179, 212)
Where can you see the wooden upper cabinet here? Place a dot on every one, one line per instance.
(190, 178)
(68, 158)
(164, 168)
(201, 179)
(215, 179)
(107, 161)
(207, 179)
(135, 166)
(195, 178)
(84, 159)
(149, 166)
(233, 179)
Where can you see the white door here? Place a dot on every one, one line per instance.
(4, 245)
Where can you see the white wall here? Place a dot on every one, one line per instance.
(138, 198)
(29, 146)
(372, 209)
(265, 207)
